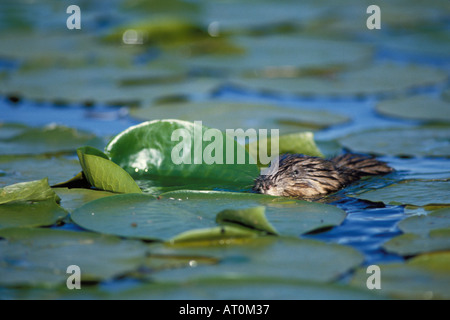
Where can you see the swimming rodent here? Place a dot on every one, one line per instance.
(309, 177)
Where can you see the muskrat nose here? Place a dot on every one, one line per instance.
(262, 185)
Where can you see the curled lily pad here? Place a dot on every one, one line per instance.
(40, 257)
(417, 141)
(176, 149)
(211, 235)
(37, 190)
(253, 218)
(105, 174)
(416, 107)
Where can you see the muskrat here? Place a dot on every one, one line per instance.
(309, 177)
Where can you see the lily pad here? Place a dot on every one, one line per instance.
(418, 107)
(144, 217)
(40, 257)
(297, 52)
(72, 199)
(48, 140)
(413, 192)
(376, 79)
(423, 277)
(151, 150)
(232, 115)
(423, 224)
(288, 258)
(411, 244)
(287, 216)
(36, 214)
(105, 174)
(414, 142)
(19, 169)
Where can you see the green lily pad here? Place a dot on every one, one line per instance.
(411, 244)
(287, 216)
(19, 169)
(232, 115)
(375, 79)
(36, 214)
(417, 141)
(423, 224)
(422, 277)
(285, 52)
(40, 257)
(416, 107)
(72, 199)
(413, 192)
(105, 174)
(48, 140)
(149, 150)
(37, 190)
(220, 288)
(144, 217)
(281, 257)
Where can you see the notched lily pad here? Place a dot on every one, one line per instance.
(252, 218)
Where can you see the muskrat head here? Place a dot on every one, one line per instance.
(294, 175)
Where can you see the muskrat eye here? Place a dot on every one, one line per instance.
(295, 172)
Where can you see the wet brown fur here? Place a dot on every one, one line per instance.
(308, 177)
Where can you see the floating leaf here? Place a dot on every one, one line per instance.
(411, 244)
(422, 277)
(37, 190)
(40, 257)
(375, 79)
(288, 258)
(72, 199)
(417, 141)
(150, 150)
(48, 140)
(105, 174)
(233, 116)
(19, 169)
(287, 216)
(141, 216)
(416, 107)
(36, 214)
(423, 224)
(413, 192)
